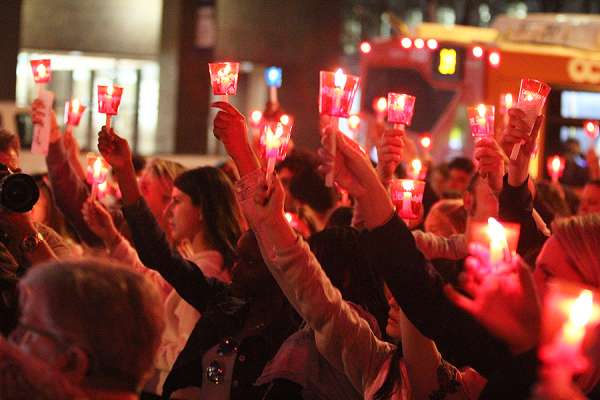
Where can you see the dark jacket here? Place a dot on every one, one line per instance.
(223, 314)
(462, 340)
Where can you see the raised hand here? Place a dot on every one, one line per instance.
(100, 222)
(114, 149)
(505, 303)
(518, 131)
(38, 114)
(490, 159)
(389, 152)
(230, 128)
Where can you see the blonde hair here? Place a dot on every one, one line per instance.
(454, 212)
(165, 169)
(579, 236)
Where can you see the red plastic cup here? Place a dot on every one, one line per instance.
(41, 70)
(224, 77)
(73, 112)
(336, 93)
(400, 108)
(481, 120)
(407, 195)
(109, 99)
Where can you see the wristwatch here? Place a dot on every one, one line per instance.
(31, 242)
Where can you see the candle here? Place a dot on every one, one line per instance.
(532, 97)
(109, 100)
(276, 140)
(555, 166)
(407, 195)
(97, 172)
(224, 77)
(400, 109)
(416, 166)
(41, 71)
(499, 250)
(481, 120)
(425, 142)
(591, 129)
(339, 82)
(73, 112)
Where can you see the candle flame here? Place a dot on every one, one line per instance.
(75, 105)
(529, 97)
(590, 126)
(354, 121)
(226, 70)
(481, 110)
(41, 70)
(381, 104)
(109, 90)
(498, 242)
(97, 168)
(401, 102)
(285, 119)
(580, 314)
(556, 163)
(408, 185)
(416, 166)
(508, 100)
(340, 78)
(256, 116)
(289, 217)
(426, 142)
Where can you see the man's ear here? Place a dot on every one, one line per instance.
(75, 363)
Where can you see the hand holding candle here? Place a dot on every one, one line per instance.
(532, 98)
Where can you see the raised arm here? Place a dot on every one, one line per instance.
(149, 239)
(69, 189)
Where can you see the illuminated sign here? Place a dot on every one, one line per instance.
(447, 65)
(581, 70)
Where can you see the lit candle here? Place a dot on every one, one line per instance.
(499, 250)
(224, 77)
(556, 166)
(73, 111)
(41, 71)
(99, 175)
(408, 186)
(481, 120)
(425, 142)
(591, 129)
(109, 99)
(580, 314)
(416, 167)
(400, 109)
(276, 140)
(353, 124)
(340, 83)
(532, 97)
(407, 195)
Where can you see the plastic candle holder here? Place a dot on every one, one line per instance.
(532, 97)
(555, 166)
(570, 312)
(41, 71)
(591, 129)
(499, 237)
(97, 169)
(224, 77)
(400, 108)
(73, 112)
(481, 120)
(109, 99)
(407, 195)
(336, 93)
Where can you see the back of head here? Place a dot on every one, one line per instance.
(549, 202)
(211, 190)
(462, 163)
(343, 260)
(579, 236)
(165, 169)
(308, 187)
(447, 217)
(112, 313)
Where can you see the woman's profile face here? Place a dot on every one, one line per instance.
(553, 262)
(184, 219)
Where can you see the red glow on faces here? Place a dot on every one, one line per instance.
(365, 47)
(432, 44)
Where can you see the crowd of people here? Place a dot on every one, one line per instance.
(225, 283)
